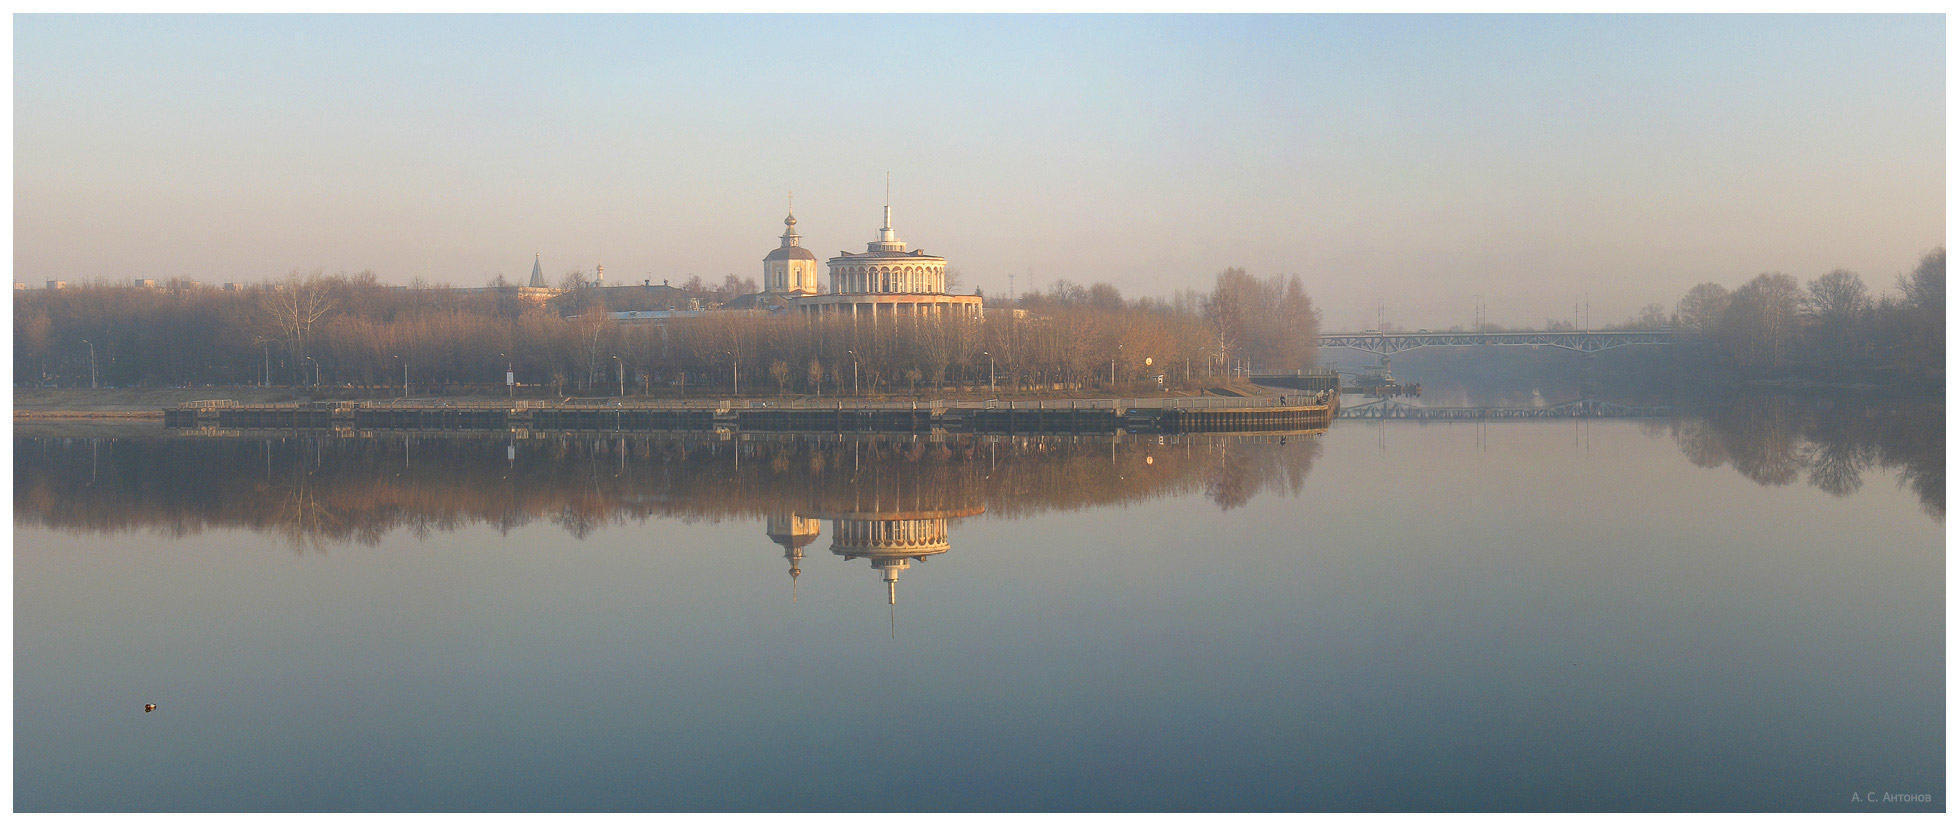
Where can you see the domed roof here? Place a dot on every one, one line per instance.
(792, 244)
(789, 254)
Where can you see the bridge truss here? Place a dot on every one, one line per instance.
(1580, 409)
(1582, 341)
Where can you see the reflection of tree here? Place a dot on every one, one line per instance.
(317, 490)
(1760, 437)
(1777, 439)
(1702, 443)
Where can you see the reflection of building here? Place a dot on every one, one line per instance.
(892, 541)
(792, 532)
(886, 281)
(789, 269)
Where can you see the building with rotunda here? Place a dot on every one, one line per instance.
(888, 281)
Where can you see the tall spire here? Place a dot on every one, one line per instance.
(537, 270)
(789, 236)
(887, 238)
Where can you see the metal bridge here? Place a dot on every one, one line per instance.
(1582, 341)
(1580, 409)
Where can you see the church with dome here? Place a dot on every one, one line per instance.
(790, 270)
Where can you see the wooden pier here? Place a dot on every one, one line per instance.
(1086, 416)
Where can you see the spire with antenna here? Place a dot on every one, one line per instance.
(887, 238)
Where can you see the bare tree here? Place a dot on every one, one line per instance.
(289, 309)
(1701, 309)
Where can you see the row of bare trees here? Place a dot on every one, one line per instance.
(353, 331)
(1773, 321)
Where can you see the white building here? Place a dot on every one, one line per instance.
(888, 281)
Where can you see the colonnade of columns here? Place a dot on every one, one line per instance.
(897, 534)
(872, 309)
(910, 279)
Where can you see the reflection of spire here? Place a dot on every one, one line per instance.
(792, 532)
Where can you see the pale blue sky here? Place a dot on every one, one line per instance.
(1416, 159)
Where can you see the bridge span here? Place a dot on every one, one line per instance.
(1582, 341)
(1580, 409)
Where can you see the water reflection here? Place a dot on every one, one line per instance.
(1779, 439)
(1433, 627)
(891, 500)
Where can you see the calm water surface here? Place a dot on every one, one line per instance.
(1741, 611)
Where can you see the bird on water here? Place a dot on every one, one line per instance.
(149, 707)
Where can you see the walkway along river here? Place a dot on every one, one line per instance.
(1142, 415)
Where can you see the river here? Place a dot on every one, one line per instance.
(1736, 610)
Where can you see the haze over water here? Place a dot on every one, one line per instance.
(1698, 613)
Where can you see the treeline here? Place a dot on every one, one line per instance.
(1773, 322)
(345, 331)
(1269, 323)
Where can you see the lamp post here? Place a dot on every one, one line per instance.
(316, 372)
(91, 363)
(404, 375)
(622, 375)
(1112, 366)
(736, 363)
(509, 373)
(853, 372)
(990, 376)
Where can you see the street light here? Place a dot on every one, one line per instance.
(316, 372)
(737, 365)
(1112, 366)
(853, 372)
(509, 373)
(404, 375)
(622, 375)
(990, 388)
(91, 363)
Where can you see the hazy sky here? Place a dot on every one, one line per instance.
(1418, 160)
